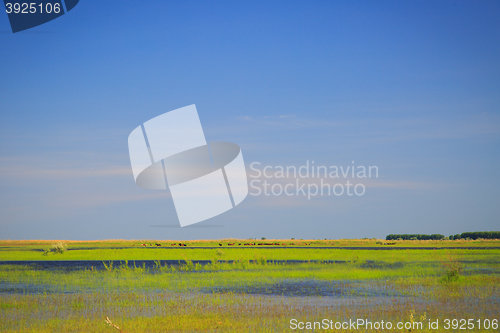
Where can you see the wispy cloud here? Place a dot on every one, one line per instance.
(24, 172)
(391, 128)
(91, 200)
(66, 203)
(62, 166)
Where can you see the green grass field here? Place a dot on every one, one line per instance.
(243, 290)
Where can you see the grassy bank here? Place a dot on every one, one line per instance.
(314, 250)
(287, 242)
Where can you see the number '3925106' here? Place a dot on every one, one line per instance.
(32, 8)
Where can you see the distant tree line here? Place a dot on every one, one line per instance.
(414, 237)
(463, 235)
(477, 234)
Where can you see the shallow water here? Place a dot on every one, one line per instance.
(73, 265)
(303, 288)
(9, 288)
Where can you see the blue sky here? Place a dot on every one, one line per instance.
(412, 87)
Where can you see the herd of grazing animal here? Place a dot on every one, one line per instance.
(229, 244)
(253, 244)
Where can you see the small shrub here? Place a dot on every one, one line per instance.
(109, 267)
(56, 248)
(411, 318)
(189, 266)
(244, 264)
(110, 323)
(124, 265)
(214, 265)
(452, 275)
(453, 268)
(59, 248)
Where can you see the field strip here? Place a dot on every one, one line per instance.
(284, 247)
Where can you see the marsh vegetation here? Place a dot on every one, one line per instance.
(243, 290)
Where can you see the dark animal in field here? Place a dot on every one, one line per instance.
(220, 244)
(158, 244)
(239, 244)
(230, 244)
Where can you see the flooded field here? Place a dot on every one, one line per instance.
(224, 290)
(339, 289)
